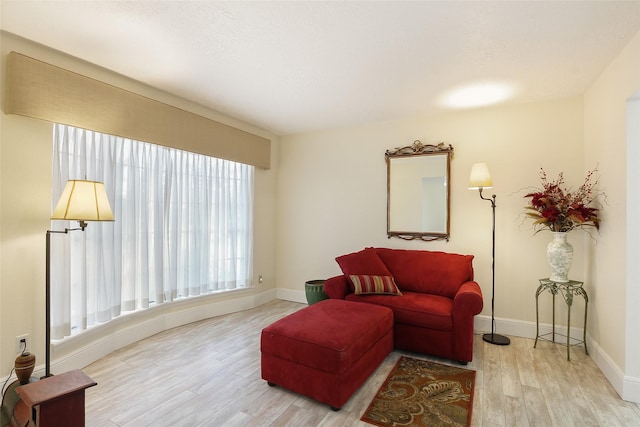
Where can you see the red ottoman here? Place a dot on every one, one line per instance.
(327, 350)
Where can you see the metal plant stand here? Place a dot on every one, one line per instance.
(567, 290)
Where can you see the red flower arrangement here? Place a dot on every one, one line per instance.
(557, 208)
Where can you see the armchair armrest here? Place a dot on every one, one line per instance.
(468, 300)
(337, 287)
(466, 304)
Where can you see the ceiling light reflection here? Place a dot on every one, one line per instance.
(478, 95)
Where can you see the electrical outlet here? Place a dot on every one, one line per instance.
(22, 343)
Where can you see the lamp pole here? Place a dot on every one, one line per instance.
(47, 350)
(493, 338)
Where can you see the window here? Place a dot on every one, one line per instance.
(183, 228)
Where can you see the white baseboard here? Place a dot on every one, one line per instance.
(292, 295)
(626, 386)
(610, 370)
(522, 329)
(631, 389)
(265, 297)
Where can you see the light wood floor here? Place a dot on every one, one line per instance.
(208, 374)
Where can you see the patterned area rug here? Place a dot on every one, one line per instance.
(422, 393)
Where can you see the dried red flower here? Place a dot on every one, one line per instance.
(557, 208)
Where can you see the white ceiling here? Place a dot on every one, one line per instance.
(292, 67)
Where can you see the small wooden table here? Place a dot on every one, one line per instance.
(57, 400)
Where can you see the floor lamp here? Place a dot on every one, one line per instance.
(479, 179)
(80, 201)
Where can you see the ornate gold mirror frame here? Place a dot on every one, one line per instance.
(418, 191)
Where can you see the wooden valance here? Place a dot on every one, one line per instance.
(47, 92)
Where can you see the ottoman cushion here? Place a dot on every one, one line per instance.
(327, 351)
(329, 336)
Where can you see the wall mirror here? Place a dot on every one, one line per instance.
(418, 191)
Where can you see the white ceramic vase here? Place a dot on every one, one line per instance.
(560, 255)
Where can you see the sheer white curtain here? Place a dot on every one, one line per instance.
(183, 227)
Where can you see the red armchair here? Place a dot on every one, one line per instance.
(434, 302)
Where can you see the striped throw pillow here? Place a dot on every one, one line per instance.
(379, 285)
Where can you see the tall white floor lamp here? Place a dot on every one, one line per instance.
(80, 201)
(481, 178)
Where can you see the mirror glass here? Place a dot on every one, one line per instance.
(418, 191)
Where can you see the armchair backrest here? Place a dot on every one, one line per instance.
(431, 272)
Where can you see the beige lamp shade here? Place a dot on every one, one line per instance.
(83, 201)
(480, 177)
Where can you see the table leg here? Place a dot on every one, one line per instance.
(537, 320)
(584, 333)
(568, 330)
(553, 319)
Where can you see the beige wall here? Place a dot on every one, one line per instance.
(332, 194)
(615, 294)
(332, 200)
(25, 186)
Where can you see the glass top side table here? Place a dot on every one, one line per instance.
(567, 290)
